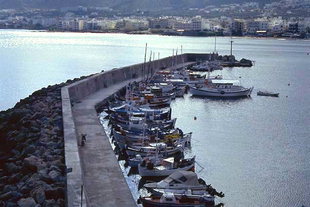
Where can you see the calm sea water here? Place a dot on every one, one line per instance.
(255, 150)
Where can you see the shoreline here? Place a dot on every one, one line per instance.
(159, 34)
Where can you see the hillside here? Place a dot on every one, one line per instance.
(151, 5)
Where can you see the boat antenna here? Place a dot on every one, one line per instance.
(144, 66)
(176, 56)
(158, 61)
(150, 64)
(215, 44)
(172, 57)
(208, 74)
(153, 63)
(231, 47)
(182, 56)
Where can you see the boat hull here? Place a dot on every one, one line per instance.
(144, 172)
(147, 203)
(220, 93)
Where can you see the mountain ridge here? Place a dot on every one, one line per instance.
(149, 5)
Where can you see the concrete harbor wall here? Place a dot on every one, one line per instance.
(96, 160)
(41, 160)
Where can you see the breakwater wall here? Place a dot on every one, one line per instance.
(81, 100)
(41, 161)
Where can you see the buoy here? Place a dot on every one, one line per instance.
(195, 117)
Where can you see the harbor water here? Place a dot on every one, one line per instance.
(256, 150)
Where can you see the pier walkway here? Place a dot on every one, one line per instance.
(102, 179)
(104, 182)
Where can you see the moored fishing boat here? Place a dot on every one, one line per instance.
(220, 88)
(173, 200)
(153, 148)
(166, 167)
(178, 182)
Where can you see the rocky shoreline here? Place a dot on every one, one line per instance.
(32, 163)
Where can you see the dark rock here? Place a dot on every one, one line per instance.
(29, 149)
(12, 196)
(12, 168)
(26, 202)
(14, 178)
(54, 167)
(10, 204)
(25, 189)
(34, 163)
(61, 202)
(50, 203)
(54, 175)
(55, 193)
(6, 196)
(38, 194)
(9, 188)
(20, 137)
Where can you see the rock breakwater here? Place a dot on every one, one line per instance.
(32, 163)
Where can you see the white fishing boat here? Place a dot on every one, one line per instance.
(166, 167)
(175, 200)
(178, 182)
(221, 88)
(153, 148)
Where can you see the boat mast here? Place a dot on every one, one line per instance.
(149, 65)
(231, 47)
(172, 57)
(215, 44)
(144, 66)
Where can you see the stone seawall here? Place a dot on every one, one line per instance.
(32, 164)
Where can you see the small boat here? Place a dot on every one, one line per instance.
(153, 148)
(173, 200)
(221, 88)
(266, 93)
(166, 167)
(178, 182)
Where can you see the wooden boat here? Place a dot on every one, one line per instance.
(266, 93)
(153, 148)
(220, 88)
(173, 200)
(178, 182)
(166, 167)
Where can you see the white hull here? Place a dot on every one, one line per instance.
(144, 172)
(219, 92)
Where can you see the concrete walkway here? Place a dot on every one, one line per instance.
(104, 182)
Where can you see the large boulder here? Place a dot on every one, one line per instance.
(11, 195)
(34, 163)
(26, 202)
(38, 194)
(12, 168)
